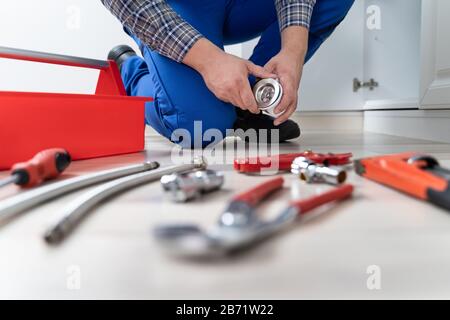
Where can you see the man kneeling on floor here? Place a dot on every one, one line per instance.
(185, 69)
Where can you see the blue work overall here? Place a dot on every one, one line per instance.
(180, 94)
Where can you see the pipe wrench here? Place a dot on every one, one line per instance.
(415, 174)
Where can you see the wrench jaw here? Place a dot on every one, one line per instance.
(239, 238)
(238, 215)
(189, 241)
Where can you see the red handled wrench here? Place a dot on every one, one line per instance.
(282, 162)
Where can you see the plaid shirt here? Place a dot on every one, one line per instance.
(163, 30)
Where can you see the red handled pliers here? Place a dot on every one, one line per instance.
(283, 162)
(239, 226)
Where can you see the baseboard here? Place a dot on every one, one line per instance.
(431, 125)
(330, 121)
(411, 103)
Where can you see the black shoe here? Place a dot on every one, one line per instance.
(121, 53)
(246, 120)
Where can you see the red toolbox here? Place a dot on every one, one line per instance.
(88, 126)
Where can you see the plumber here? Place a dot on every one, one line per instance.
(185, 69)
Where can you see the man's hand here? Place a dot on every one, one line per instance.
(226, 75)
(288, 66)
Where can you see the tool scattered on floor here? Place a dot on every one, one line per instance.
(283, 162)
(239, 226)
(13, 206)
(77, 210)
(46, 165)
(418, 175)
(268, 94)
(188, 186)
(311, 172)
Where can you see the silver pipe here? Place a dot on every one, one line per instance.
(77, 210)
(11, 207)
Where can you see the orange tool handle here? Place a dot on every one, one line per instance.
(341, 193)
(257, 194)
(396, 172)
(45, 165)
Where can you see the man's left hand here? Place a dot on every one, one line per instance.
(288, 67)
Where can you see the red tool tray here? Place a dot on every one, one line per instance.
(88, 126)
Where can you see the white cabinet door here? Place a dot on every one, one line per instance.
(435, 53)
(327, 83)
(392, 53)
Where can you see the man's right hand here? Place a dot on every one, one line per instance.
(226, 75)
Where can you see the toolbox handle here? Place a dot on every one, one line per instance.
(109, 81)
(43, 57)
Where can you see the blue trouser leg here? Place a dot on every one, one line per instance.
(180, 94)
(243, 24)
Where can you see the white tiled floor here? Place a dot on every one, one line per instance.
(325, 258)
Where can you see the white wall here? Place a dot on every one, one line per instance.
(72, 27)
(443, 27)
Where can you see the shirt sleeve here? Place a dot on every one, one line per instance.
(157, 25)
(294, 12)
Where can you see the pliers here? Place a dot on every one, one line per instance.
(282, 162)
(239, 226)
